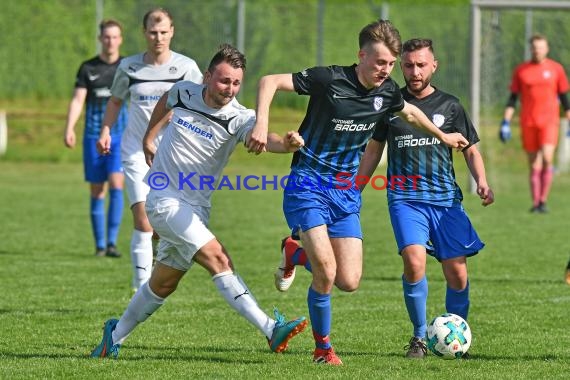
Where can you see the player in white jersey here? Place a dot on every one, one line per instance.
(206, 125)
(142, 79)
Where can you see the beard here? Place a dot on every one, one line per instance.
(416, 87)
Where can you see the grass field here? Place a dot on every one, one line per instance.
(56, 294)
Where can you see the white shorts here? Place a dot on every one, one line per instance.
(137, 189)
(182, 230)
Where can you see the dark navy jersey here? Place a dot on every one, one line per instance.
(97, 76)
(420, 167)
(341, 117)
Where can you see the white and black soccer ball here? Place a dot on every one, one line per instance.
(448, 336)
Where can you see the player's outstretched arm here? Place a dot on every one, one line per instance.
(369, 162)
(477, 168)
(73, 113)
(160, 117)
(266, 89)
(288, 143)
(111, 114)
(414, 116)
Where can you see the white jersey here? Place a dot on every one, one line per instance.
(146, 84)
(196, 145)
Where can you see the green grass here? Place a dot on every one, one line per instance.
(56, 294)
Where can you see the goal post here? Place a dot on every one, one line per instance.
(500, 30)
(3, 132)
(563, 155)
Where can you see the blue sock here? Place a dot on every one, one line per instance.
(97, 209)
(320, 314)
(457, 301)
(115, 215)
(415, 296)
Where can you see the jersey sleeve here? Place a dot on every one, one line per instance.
(397, 100)
(381, 131)
(312, 81)
(120, 87)
(515, 87)
(173, 96)
(562, 80)
(81, 77)
(464, 125)
(193, 73)
(244, 124)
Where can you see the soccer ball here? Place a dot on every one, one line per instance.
(448, 336)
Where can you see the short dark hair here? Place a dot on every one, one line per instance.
(108, 23)
(417, 44)
(381, 31)
(155, 15)
(229, 54)
(537, 37)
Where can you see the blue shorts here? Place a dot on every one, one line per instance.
(446, 232)
(98, 167)
(306, 208)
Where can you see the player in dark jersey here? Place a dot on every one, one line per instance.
(426, 211)
(321, 204)
(92, 87)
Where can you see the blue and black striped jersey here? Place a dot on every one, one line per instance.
(97, 76)
(341, 117)
(420, 167)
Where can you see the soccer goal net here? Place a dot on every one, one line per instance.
(500, 35)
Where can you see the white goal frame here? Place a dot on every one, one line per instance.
(3, 132)
(476, 6)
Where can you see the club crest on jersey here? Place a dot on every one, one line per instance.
(172, 70)
(438, 120)
(546, 74)
(378, 103)
(93, 77)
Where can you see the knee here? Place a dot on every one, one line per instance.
(141, 223)
(348, 285)
(214, 259)
(414, 270)
(413, 275)
(219, 262)
(323, 279)
(457, 283)
(164, 288)
(456, 280)
(98, 194)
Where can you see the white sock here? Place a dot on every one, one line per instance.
(141, 257)
(238, 296)
(142, 305)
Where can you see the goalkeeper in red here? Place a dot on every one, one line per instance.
(543, 86)
(427, 216)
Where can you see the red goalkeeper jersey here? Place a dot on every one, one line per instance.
(539, 85)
